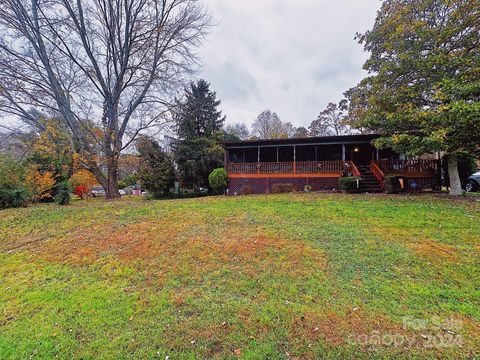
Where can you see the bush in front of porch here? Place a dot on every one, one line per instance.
(350, 184)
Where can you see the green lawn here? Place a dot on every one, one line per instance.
(280, 276)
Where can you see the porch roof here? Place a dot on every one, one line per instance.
(343, 139)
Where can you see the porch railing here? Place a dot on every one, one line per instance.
(429, 167)
(299, 167)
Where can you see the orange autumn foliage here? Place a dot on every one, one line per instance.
(41, 184)
(83, 179)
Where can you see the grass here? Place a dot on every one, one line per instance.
(279, 277)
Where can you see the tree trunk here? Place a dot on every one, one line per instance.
(111, 188)
(455, 184)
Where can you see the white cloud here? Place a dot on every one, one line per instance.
(291, 56)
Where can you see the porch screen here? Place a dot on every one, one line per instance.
(329, 152)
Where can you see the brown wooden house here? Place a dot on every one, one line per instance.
(255, 166)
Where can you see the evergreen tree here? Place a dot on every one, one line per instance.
(197, 115)
(197, 158)
(199, 133)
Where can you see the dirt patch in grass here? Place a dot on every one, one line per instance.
(434, 251)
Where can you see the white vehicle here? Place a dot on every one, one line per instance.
(97, 191)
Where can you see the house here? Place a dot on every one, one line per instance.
(317, 163)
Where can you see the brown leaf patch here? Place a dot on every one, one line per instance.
(335, 329)
(256, 253)
(471, 328)
(434, 250)
(136, 241)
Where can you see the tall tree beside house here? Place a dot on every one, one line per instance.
(331, 121)
(423, 88)
(268, 125)
(198, 115)
(198, 125)
(112, 66)
(355, 106)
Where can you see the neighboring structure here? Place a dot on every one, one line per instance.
(255, 166)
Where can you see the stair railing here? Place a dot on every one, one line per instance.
(378, 173)
(355, 171)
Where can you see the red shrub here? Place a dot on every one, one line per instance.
(82, 191)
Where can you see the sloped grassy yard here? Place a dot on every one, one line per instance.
(281, 276)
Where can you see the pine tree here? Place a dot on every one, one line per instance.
(199, 133)
(197, 115)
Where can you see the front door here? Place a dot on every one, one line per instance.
(361, 154)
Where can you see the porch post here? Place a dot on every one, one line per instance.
(378, 155)
(277, 154)
(258, 159)
(343, 152)
(294, 159)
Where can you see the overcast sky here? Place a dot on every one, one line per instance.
(290, 56)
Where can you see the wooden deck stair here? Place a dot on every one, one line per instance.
(370, 183)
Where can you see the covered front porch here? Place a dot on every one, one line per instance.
(302, 157)
(359, 153)
(319, 163)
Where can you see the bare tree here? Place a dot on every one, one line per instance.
(288, 130)
(237, 130)
(269, 126)
(331, 121)
(108, 68)
(300, 133)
